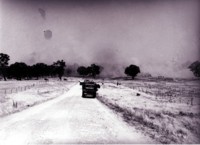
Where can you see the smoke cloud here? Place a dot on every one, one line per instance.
(162, 37)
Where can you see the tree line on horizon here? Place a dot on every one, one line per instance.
(20, 70)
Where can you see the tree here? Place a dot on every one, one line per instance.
(4, 59)
(82, 71)
(94, 70)
(40, 70)
(132, 71)
(60, 68)
(18, 70)
(68, 71)
(195, 68)
(52, 70)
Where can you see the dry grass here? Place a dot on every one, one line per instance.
(178, 91)
(163, 120)
(20, 98)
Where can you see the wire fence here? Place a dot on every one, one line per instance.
(170, 97)
(16, 89)
(165, 95)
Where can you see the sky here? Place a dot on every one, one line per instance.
(160, 36)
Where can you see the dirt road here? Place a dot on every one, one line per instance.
(67, 119)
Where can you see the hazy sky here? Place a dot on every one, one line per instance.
(161, 36)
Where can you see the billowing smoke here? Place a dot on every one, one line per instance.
(162, 37)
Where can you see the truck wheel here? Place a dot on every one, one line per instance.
(94, 95)
(83, 95)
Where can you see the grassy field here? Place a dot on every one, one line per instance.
(167, 111)
(179, 91)
(18, 95)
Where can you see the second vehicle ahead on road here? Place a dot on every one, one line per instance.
(89, 89)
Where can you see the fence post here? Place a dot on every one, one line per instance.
(14, 104)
